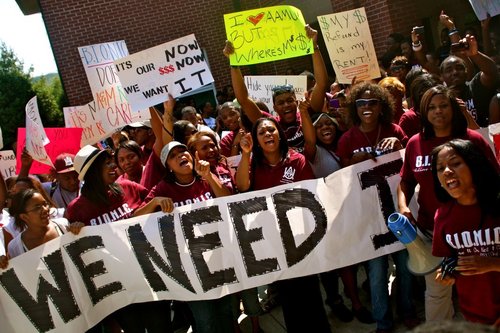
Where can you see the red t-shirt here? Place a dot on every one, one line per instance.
(226, 143)
(293, 133)
(459, 231)
(223, 172)
(417, 170)
(181, 195)
(121, 206)
(292, 169)
(410, 122)
(354, 141)
(153, 171)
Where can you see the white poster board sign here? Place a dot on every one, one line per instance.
(260, 87)
(484, 7)
(7, 163)
(349, 43)
(205, 250)
(175, 68)
(36, 138)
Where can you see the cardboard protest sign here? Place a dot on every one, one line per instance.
(62, 140)
(484, 7)
(176, 67)
(349, 43)
(35, 137)
(267, 34)
(204, 250)
(7, 163)
(93, 121)
(110, 109)
(260, 88)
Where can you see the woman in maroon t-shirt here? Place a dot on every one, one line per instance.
(104, 201)
(466, 226)
(273, 164)
(128, 157)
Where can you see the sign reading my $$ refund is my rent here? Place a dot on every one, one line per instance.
(349, 43)
(175, 68)
(267, 34)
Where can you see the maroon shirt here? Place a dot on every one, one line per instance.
(461, 230)
(354, 141)
(294, 168)
(226, 143)
(153, 171)
(417, 170)
(410, 122)
(121, 206)
(181, 195)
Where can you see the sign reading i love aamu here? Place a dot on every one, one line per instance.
(267, 34)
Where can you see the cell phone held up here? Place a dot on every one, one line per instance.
(458, 47)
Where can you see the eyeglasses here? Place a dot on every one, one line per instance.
(38, 208)
(366, 102)
(278, 90)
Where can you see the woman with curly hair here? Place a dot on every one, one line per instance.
(373, 134)
(442, 120)
(466, 225)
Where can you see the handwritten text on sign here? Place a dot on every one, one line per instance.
(267, 34)
(349, 43)
(110, 109)
(260, 88)
(35, 137)
(176, 67)
(7, 163)
(62, 140)
(204, 250)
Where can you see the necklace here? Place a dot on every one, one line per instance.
(186, 185)
(376, 140)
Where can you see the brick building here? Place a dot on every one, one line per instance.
(144, 24)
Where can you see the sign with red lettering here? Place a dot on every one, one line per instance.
(35, 136)
(175, 68)
(62, 140)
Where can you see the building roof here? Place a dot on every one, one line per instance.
(28, 7)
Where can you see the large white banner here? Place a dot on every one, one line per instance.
(349, 43)
(175, 67)
(260, 87)
(204, 250)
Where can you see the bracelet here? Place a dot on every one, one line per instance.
(417, 44)
(452, 32)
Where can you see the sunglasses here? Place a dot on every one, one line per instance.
(396, 68)
(366, 102)
(278, 90)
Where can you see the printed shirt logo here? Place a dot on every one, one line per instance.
(288, 175)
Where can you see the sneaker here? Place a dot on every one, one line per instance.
(340, 311)
(363, 315)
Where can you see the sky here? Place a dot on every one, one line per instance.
(27, 37)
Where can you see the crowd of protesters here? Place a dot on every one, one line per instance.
(429, 103)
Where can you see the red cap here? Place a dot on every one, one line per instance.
(64, 163)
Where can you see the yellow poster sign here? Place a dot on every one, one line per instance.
(267, 34)
(349, 43)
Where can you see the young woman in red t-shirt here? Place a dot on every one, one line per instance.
(467, 225)
(273, 164)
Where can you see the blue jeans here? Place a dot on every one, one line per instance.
(377, 275)
(213, 316)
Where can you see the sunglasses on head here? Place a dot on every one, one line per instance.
(366, 102)
(278, 90)
(397, 68)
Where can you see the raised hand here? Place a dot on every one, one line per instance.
(246, 143)
(201, 167)
(228, 49)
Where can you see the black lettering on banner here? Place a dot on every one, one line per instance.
(247, 237)
(377, 176)
(294, 198)
(38, 311)
(198, 245)
(92, 270)
(147, 255)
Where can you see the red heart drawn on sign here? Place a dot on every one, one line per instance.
(255, 19)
